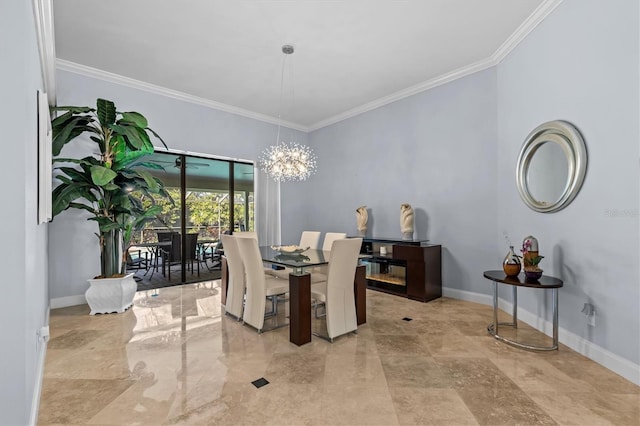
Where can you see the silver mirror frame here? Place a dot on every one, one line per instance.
(569, 138)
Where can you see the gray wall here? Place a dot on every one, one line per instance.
(451, 152)
(182, 125)
(23, 256)
(581, 65)
(436, 151)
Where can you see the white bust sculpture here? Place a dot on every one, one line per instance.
(362, 216)
(406, 221)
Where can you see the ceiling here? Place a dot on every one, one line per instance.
(350, 55)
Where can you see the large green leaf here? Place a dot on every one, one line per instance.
(63, 179)
(144, 137)
(130, 133)
(111, 187)
(92, 161)
(136, 118)
(72, 109)
(75, 174)
(71, 129)
(120, 152)
(147, 165)
(106, 112)
(157, 136)
(59, 122)
(152, 184)
(102, 175)
(105, 224)
(100, 141)
(83, 207)
(126, 157)
(63, 195)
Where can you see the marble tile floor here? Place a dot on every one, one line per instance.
(175, 358)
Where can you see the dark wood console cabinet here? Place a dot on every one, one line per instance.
(412, 269)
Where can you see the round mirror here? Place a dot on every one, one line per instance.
(551, 166)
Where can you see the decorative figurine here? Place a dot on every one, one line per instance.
(362, 216)
(406, 221)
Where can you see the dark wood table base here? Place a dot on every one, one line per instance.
(299, 309)
(300, 302)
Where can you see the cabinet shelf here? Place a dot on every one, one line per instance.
(386, 278)
(410, 269)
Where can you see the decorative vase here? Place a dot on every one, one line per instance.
(107, 295)
(511, 264)
(533, 275)
(532, 249)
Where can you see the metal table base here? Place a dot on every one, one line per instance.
(549, 283)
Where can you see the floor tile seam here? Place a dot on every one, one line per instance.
(453, 355)
(420, 388)
(331, 408)
(557, 418)
(535, 405)
(88, 377)
(556, 372)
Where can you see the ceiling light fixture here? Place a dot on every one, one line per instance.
(287, 161)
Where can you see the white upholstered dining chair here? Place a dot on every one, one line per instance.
(336, 293)
(320, 273)
(236, 280)
(310, 239)
(259, 285)
(330, 237)
(237, 283)
(246, 234)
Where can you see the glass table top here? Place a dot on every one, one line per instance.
(300, 261)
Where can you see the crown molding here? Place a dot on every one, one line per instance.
(538, 15)
(73, 67)
(404, 93)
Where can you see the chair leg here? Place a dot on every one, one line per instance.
(274, 306)
(316, 305)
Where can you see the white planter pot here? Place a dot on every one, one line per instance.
(107, 295)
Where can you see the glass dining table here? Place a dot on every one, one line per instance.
(300, 288)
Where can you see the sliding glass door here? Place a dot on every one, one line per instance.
(210, 197)
(243, 200)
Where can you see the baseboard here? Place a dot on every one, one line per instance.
(602, 356)
(467, 296)
(37, 388)
(63, 302)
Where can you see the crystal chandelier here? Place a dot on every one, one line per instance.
(287, 161)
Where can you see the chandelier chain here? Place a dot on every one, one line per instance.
(288, 161)
(284, 59)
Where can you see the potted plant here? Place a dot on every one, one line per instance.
(531, 261)
(110, 185)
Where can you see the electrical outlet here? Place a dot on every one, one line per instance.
(591, 320)
(43, 333)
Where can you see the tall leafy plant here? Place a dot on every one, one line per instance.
(110, 184)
